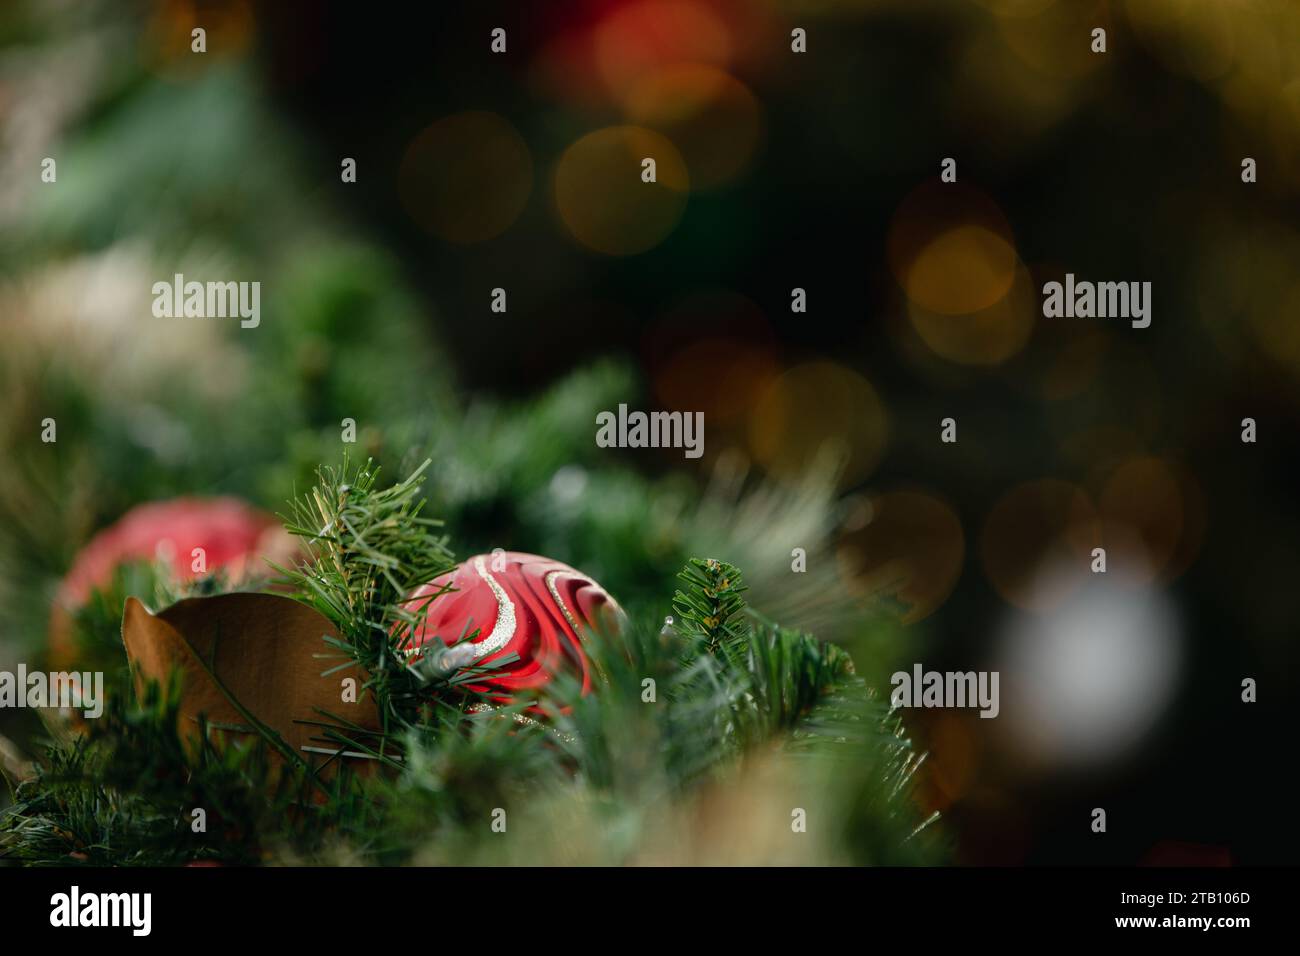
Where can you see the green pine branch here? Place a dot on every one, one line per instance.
(711, 609)
(125, 793)
(369, 549)
(676, 713)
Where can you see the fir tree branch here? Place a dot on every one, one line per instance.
(727, 685)
(370, 549)
(711, 608)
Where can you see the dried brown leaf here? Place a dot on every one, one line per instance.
(266, 651)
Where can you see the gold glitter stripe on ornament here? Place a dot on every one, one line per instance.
(523, 719)
(504, 629)
(564, 608)
(568, 616)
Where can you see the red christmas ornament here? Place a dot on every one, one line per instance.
(523, 604)
(234, 536)
(231, 534)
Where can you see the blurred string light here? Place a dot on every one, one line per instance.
(709, 115)
(1141, 519)
(713, 351)
(1194, 39)
(467, 177)
(1006, 103)
(1242, 287)
(719, 376)
(594, 59)
(814, 406)
(1038, 524)
(666, 65)
(1086, 680)
(954, 749)
(602, 200)
(1264, 285)
(1156, 508)
(1017, 8)
(1147, 513)
(1277, 331)
(961, 268)
(952, 252)
(987, 336)
(1054, 40)
(840, 9)
(950, 248)
(636, 39)
(1243, 52)
(166, 43)
(908, 544)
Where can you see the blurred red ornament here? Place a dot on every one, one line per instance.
(234, 537)
(229, 534)
(523, 604)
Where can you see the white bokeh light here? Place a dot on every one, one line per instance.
(1084, 681)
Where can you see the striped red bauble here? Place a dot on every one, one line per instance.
(540, 610)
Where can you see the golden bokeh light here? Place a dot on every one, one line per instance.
(1284, 133)
(951, 249)
(1057, 40)
(815, 408)
(1240, 53)
(713, 351)
(1152, 519)
(1262, 87)
(467, 177)
(1141, 514)
(636, 39)
(1010, 102)
(1195, 518)
(709, 115)
(1017, 8)
(167, 43)
(1190, 37)
(1047, 525)
(718, 376)
(600, 195)
(986, 336)
(1246, 292)
(911, 546)
(954, 749)
(1274, 326)
(961, 270)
